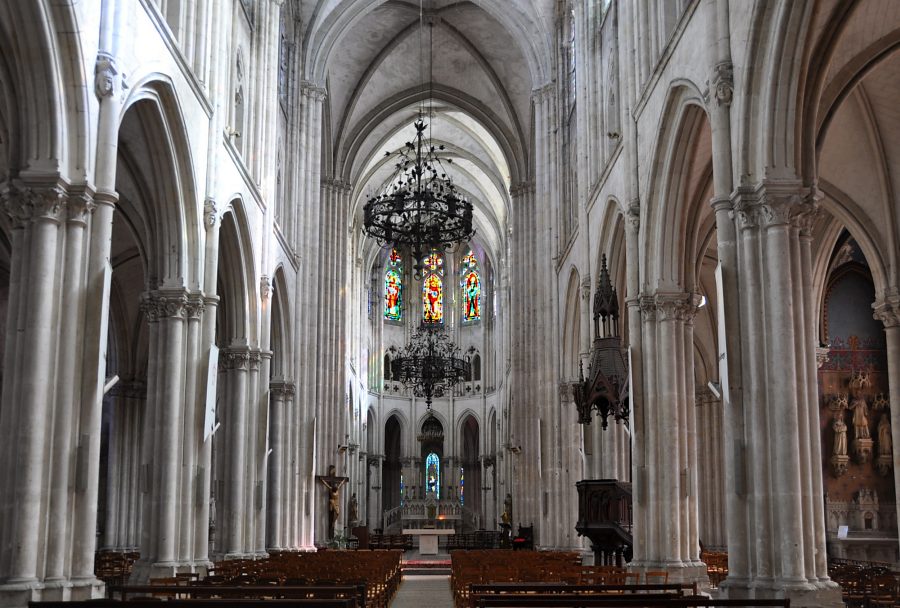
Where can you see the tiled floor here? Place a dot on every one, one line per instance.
(424, 591)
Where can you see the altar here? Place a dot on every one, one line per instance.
(428, 538)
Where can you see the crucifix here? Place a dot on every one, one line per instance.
(333, 483)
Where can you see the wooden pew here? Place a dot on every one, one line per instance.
(201, 603)
(615, 601)
(357, 593)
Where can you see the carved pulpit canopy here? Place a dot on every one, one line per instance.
(606, 387)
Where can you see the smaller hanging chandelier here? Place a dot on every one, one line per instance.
(430, 364)
(606, 388)
(420, 209)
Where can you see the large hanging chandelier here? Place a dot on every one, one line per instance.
(606, 388)
(430, 365)
(420, 209)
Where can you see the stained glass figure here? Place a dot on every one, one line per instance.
(433, 299)
(393, 288)
(434, 262)
(462, 486)
(433, 475)
(471, 287)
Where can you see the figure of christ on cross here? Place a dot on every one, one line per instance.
(333, 483)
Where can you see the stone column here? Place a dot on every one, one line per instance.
(166, 310)
(233, 514)
(710, 466)
(122, 512)
(778, 367)
(36, 212)
(307, 228)
(667, 432)
(887, 310)
(640, 424)
(192, 420)
(279, 482)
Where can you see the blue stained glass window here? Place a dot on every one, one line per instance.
(433, 475)
(462, 486)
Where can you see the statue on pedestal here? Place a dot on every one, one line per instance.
(885, 461)
(839, 457)
(862, 440)
(353, 514)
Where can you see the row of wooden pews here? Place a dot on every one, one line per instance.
(114, 567)
(866, 584)
(716, 566)
(480, 539)
(338, 579)
(402, 542)
(498, 578)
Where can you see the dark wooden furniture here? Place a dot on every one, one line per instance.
(605, 517)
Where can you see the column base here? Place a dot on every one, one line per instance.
(17, 595)
(823, 594)
(679, 572)
(144, 570)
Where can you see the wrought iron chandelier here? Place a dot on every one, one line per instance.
(430, 364)
(606, 388)
(420, 208)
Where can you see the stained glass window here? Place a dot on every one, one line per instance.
(433, 289)
(433, 475)
(393, 288)
(462, 486)
(471, 288)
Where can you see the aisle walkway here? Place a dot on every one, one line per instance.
(419, 591)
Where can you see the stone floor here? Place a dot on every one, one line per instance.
(417, 591)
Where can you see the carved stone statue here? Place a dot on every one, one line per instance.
(839, 458)
(353, 515)
(885, 461)
(840, 434)
(860, 418)
(862, 440)
(884, 436)
(506, 516)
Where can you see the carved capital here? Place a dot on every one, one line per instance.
(235, 358)
(648, 308)
(26, 204)
(284, 389)
(164, 304)
(80, 205)
(195, 306)
(521, 189)
(887, 311)
(312, 90)
(255, 359)
(105, 76)
(675, 307)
